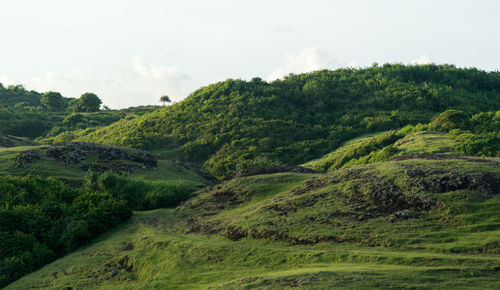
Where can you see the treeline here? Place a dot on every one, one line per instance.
(236, 124)
(43, 219)
(32, 114)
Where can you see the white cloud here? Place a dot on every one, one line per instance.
(141, 83)
(307, 60)
(424, 59)
(5, 80)
(158, 72)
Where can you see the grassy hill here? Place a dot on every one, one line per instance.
(377, 177)
(426, 218)
(235, 124)
(71, 161)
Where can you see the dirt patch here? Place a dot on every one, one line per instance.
(312, 184)
(484, 183)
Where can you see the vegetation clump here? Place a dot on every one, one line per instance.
(43, 219)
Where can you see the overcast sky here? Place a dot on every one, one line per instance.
(132, 52)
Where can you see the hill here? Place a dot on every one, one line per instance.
(427, 218)
(235, 124)
(42, 218)
(375, 177)
(71, 162)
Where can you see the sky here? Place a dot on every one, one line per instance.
(132, 52)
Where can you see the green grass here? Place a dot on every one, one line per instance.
(426, 142)
(166, 170)
(160, 257)
(412, 143)
(318, 231)
(324, 162)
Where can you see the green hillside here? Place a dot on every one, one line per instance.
(71, 161)
(428, 218)
(381, 177)
(237, 124)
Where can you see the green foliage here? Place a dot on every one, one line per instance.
(53, 101)
(42, 219)
(479, 135)
(31, 114)
(165, 99)
(88, 102)
(139, 193)
(314, 231)
(13, 95)
(449, 120)
(482, 144)
(234, 124)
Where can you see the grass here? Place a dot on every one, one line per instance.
(166, 170)
(160, 257)
(358, 227)
(324, 162)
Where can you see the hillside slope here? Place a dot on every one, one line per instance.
(236, 124)
(71, 161)
(417, 220)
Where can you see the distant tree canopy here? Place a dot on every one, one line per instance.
(88, 102)
(31, 114)
(12, 95)
(165, 99)
(53, 101)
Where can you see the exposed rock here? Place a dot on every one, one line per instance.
(114, 272)
(486, 184)
(125, 264)
(24, 157)
(403, 215)
(76, 152)
(311, 185)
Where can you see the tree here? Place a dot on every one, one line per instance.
(165, 99)
(88, 102)
(53, 101)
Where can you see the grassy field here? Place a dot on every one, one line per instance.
(49, 167)
(418, 221)
(147, 254)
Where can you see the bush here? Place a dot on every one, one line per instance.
(42, 219)
(140, 194)
(449, 120)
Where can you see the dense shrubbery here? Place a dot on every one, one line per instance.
(235, 124)
(41, 219)
(481, 137)
(139, 194)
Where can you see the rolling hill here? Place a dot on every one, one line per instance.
(235, 124)
(416, 221)
(386, 176)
